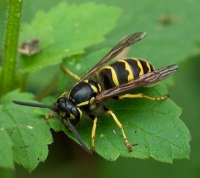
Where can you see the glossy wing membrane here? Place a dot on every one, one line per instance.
(116, 50)
(144, 80)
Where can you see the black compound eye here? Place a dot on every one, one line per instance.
(64, 106)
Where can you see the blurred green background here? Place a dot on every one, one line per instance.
(175, 23)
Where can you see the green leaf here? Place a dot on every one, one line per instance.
(6, 156)
(6, 152)
(154, 126)
(66, 30)
(31, 134)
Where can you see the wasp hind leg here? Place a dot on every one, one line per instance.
(121, 128)
(141, 95)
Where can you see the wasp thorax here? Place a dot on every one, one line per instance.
(84, 93)
(67, 109)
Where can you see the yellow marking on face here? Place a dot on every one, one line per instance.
(114, 76)
(72, 116)
(128, 68)
(62, 114)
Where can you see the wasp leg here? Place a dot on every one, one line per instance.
(50, 115)
(70, 73)
(141, 95)
(94, 118)
(120, 126)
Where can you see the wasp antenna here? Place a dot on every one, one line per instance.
(78, 137)
(35, 105)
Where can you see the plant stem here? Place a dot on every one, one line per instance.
(10, 47)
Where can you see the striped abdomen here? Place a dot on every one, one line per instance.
(122, 71)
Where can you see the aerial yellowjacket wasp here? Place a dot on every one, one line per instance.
(112, 81)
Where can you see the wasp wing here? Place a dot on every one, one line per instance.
(144, 80)
(128, 41)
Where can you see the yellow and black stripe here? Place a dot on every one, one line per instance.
(123, 71)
